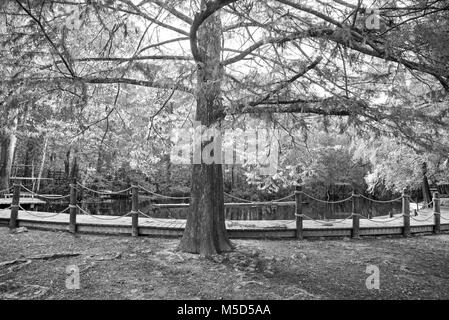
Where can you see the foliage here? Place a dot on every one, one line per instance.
(106, 82)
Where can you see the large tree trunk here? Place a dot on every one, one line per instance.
(205, 231)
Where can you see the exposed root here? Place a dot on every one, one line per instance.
(39, 257)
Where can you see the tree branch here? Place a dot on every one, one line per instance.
(294, 36)
(173, 11)
(334, 106)
(67, 65)
(147, 17)
(144, 83)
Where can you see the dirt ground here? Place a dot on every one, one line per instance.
(113, 267)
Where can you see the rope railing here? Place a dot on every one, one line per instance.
(102, 192)
(75, 208)
(161, 195)
(6, 190)
(42, 216)
(53, 197)
(381, 201)
(284, 198)
(249, 201)
(236, 198)
(348, 217)
(324, 201)
(383, 220)
(225, 193)
(102, 218)
(422, 220)
(427, 204)
(153, 218)
(310, 218)
(324, 221)
(47, 197)
(26, 189)
(343, 220)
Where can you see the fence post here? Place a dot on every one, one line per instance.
(436, 212)
(14, 207)
(417, 205)
(406, 213)
(73, 208)
(298, 212)
(355, 216)
(135, 211)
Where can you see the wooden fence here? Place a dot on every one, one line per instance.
(299, 196)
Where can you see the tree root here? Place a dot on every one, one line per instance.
(117, 255)
(40, 257)
(14, 268)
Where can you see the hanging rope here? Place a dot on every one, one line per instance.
(385, 220)
(427, 204)
(319, 221)
(249, 201)
(422, 220)
(6, 190)
(342, 220)
(47, 197)
(103, 193)
(102, 218)
(26, 189)
(322, 221)
(381, 201)
(41, 216)
(161, 195)
(324, 201)
(153, 218)
(236, 198)
(286, 197)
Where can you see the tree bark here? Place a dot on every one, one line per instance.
(67, 164)
(42, 166)
(427, 196)
(167, 159)
(8, 142)
(205, 231)
(7, 147)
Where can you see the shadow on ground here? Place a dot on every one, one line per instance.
(33, 265)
